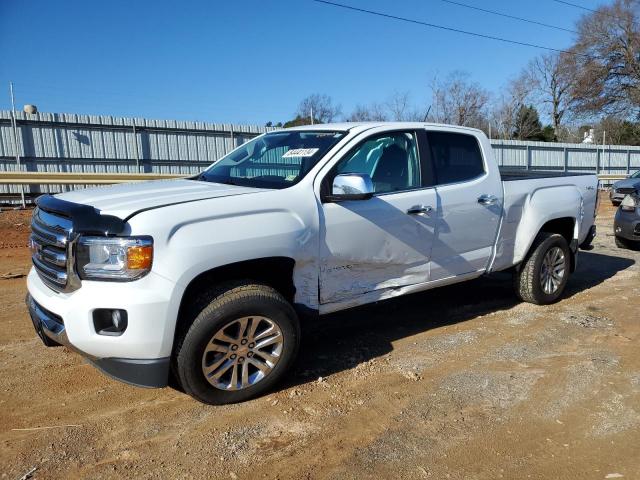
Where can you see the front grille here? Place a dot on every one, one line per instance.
(626, 191)
(51, 248)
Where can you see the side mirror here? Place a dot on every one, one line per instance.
(351, 186)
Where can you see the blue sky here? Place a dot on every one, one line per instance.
(251, 61)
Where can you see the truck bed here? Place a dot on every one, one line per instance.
(527, 202)
(511, 174)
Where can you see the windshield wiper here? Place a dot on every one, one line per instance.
(226, 181)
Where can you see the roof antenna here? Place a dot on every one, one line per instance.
(427, 114)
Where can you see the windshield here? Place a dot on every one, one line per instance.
(275, 160)
(636, 175)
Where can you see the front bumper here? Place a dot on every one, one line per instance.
(616, 197)
(140, 356)
(627, 224)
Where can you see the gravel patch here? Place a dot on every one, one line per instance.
(429, 353)
(615, 417)
(581, 380)
(496, 390)
(586, 320)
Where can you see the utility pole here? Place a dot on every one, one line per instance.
(15, 138)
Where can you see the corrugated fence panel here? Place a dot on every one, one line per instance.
(84, 143)
(59, 142)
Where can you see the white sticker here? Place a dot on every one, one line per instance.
(300, 152)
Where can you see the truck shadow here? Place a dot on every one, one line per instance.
(343, 340)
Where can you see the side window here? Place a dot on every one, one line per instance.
(456, 157)
(390, 159)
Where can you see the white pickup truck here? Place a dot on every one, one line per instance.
(200, 282)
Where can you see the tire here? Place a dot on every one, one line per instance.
(627, 244)
(621, 242)
(528, 279)
(229, 313)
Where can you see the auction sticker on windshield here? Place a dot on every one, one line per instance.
(300, 152)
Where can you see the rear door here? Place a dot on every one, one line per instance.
(469, 203)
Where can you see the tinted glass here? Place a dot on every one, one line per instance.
(391, 160)
(456, 157)
(274, 160)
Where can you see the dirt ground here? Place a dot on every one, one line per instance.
(463, 382)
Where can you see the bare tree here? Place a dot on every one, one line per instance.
(503, 115)
(607, 61)
(320, 106)
(552, 78)
(368, 113)
(401, 109)
(459, 101)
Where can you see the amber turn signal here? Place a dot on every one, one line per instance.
(139, 257)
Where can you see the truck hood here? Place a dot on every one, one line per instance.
(126, 199)
(627, 183)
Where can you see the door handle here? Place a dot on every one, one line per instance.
(420, 210)
(487, 199)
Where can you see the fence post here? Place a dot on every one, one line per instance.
(135, 143)
(233, 143)
(528, 157)
(566, 159)
(597, 161)
(628, 161)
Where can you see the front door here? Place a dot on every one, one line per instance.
(371, 246)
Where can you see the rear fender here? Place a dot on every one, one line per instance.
(543, 206)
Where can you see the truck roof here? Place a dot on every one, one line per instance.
(357, 127)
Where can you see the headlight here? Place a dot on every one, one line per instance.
(629, 203)
(112, 258)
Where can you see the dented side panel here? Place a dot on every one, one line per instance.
(373, 245)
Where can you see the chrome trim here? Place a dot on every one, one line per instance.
(487, 199)
(352, 184)
(49, 274)
(57, 239)
(47, 325)
(52, 243)
(420, 210)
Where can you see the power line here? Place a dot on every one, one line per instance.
(575, 5)
(450, 29)
(513, 17)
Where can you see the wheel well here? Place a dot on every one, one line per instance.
(276, 272)
(564, 226)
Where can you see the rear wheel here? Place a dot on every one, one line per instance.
(243, 339)
(543, 275)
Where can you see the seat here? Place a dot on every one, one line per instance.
(391, 173)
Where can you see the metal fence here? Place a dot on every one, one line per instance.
(569, 157)
(49, 142)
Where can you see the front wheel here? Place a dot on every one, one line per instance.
(243, 339)
(543, 275)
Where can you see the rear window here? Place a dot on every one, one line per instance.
(456, 157)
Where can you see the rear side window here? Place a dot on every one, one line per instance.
(456, 157)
